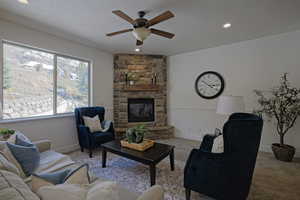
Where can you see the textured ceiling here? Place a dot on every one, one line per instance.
(197, 23)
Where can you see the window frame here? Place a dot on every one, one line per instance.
(55, 55)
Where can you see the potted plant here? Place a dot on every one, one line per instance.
(284, 105)
(136, 134)
(6, 133)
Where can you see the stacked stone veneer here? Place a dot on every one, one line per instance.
(143, 67)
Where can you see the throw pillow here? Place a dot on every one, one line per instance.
(26, 154)
(79, 176)
(93, 123)
(218, 146)
(106, 125)
(8, 166)
(12, 138)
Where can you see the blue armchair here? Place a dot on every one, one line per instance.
(227, 175)
(88, 140)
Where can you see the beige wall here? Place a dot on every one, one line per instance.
(62, 130)
(248, 65)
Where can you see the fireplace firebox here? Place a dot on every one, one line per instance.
(141, 110)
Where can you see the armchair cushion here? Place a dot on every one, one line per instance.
(103, 136)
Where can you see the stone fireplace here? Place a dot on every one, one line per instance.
(142, 99)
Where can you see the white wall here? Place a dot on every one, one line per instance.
(62, 130)
(248, 65)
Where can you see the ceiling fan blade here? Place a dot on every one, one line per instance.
(160, 18)
(162, 33)
(139, 43)
(123, 16)
(119, 32)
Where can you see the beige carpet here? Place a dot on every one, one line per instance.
(272, 179)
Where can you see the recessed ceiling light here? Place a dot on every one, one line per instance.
(137, 49)
(227, 25)
(23, 1)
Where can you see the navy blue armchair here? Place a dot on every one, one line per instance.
(88, 140)
(228, 175)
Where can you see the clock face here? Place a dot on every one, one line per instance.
(209, 85)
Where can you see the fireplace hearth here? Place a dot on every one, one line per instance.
(141, 110)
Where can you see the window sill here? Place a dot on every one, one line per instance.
(7, 121)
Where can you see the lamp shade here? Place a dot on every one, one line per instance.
(230, 104)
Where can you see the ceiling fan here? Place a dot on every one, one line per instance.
(141, 25)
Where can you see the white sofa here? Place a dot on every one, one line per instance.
(14, 186)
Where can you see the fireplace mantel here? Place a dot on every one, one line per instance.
(141, 88)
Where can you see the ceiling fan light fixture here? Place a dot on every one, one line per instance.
(141, 33)
(23, 1)
(227, 25)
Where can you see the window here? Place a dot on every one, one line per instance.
(40, 83)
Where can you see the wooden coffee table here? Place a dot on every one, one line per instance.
(150, 157)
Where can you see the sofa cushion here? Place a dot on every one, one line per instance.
(97, 191)
(12, 187)
(52, 161)
(8, 166)
(62, 191)
(28, 156)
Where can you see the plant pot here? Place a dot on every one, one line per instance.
(283, 152)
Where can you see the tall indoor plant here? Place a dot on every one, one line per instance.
(284, 105)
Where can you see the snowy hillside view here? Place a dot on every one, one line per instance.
(29, 83)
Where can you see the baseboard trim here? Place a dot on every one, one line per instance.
(262, 148)
(67, 149)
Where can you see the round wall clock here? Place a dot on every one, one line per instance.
(209, 85)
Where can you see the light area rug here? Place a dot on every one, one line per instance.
(272, 180)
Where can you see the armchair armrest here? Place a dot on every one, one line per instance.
(199, 159)
(154, 193)
(207, 143)
(43, 145)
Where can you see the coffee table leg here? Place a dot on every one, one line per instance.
(104, 153)
(152, 174)
(172, 159)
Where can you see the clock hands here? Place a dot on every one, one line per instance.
(211, 86)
